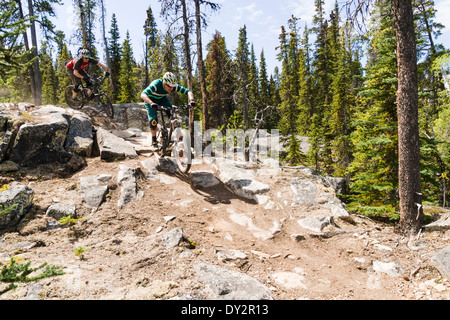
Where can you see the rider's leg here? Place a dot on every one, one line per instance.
(153, 121)
(76, 81)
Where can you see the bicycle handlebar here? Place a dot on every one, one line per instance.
(164, 108)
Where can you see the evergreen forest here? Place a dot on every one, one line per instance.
(337, 84)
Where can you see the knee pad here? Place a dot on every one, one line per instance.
(153, 124)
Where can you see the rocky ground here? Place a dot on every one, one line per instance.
(179, 241)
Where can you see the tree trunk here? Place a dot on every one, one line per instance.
(37, 74)
(201, 67)
(27, 48)
(83, 25)
(187, 51)
(411, 211)
(105, 40)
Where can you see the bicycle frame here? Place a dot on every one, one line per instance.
(96, 88)
(173, 138)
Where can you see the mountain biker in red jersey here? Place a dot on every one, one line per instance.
(75, 68)
(156, 94)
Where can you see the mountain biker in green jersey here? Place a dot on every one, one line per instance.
(156, 95)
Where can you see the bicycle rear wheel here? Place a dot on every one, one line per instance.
(182, 150)
(105, 103)
(68, 95)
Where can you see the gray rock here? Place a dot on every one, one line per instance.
(41, 143)
(315, 223)
(241, 181)
(19, 195)
(231, 285)
(305, 192)
(441, 261)
(80, 138)
(172, 238)
(390, 268)
(93, 190)
(229, 255)
(113, 148)
(61, 210)
(9, 166)
(167, 165)
(439, 225)
(6, 136)
(127, 179)
(95, 196)
(34, 289)
(150, 168)
(204, 179)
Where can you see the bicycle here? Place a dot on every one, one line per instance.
(87, 94)
(172, 138)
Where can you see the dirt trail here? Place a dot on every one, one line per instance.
(123, 261)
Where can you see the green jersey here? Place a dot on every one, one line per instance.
(156, 91)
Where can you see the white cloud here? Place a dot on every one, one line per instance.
(249, 12)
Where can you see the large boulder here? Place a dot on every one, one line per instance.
(112, 147)
(41, 143)
(80, 138)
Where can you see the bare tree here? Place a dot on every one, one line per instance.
(27, 48)
(201, 66)
(105, 40)
(199, 22)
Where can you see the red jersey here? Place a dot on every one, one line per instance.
(79, 64)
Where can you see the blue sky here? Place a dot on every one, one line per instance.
(263, 19)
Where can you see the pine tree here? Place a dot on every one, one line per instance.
(243, 65)
(151, 35)
(320, 138)
(61, 72)
(127, 78)
(115, 57)
(253, 88)
(433, 168)
(305, 96)
(264, 93)
(289, 87)
(344, 104)
(220, 82)
(49, 77)
(375, 166)
(440, 125)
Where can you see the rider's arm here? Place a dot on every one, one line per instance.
(77, 74)
(103, 66)
(146, 98)
(190, 96)
(189, 93)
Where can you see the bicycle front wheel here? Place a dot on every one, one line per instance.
(105, 103)
(182, 150)
(77, 103)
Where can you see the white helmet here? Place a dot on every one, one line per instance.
(170, 79)
(85, 53)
